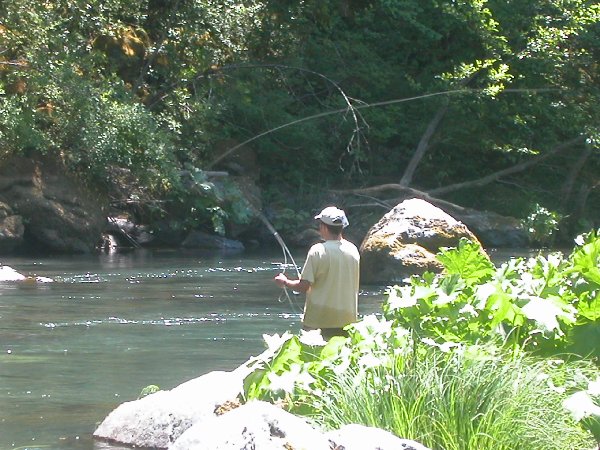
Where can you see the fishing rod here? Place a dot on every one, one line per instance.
(286, 253)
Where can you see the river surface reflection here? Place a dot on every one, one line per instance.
(111, 324)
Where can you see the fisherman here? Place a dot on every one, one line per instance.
(330, 278)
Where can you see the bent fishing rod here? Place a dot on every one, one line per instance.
(286, 253)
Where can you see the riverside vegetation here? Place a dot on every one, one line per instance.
(484, 103)
(475, 357)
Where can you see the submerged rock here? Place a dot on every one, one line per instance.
(405, 241)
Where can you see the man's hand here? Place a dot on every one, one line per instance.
(281, 280)
(296, 285)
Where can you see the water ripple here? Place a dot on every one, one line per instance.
(171, 321)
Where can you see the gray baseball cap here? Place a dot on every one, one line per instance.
(333, 216)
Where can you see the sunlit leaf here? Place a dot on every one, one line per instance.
(468, 260)
(546, 312)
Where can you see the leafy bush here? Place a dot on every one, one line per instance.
(541, 224)
(455, 396)
(543, 305)
(204, 204)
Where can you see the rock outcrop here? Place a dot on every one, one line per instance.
(11, 229)
(46, 209)
(254, 426)
(8, 274)
(492, 229)
(404, 242)
(360, 437)
(203, 414)
(157, 420)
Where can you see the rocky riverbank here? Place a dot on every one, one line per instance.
(207, 413)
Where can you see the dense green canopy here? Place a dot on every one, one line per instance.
(429, 94)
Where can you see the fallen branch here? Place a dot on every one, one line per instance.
(408, 192)
(430, 196)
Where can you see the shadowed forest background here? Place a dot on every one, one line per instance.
(491, 105)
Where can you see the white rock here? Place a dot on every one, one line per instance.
(253, 426)
(160, 418)
(360, 437)
(9, 274)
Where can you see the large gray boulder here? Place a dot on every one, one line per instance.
(59, 213)
(254, 426)
(157, 420)
(360, 437)
(404, 242)
(492, 229)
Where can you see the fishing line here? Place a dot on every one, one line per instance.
(364, 106)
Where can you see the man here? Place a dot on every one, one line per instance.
(330, 278)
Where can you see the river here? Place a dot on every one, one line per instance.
(111, 324)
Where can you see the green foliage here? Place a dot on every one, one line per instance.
(545, 304)
(206, 204)
(294, 368)
(541, 224)
(288, 221)
(468, 261)
(150, 389)
(463, 400)
(584, 405)
(380, 377)
(153, 85)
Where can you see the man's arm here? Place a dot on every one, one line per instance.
(296, 285)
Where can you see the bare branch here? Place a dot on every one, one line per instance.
(15, 64)
(508, 171)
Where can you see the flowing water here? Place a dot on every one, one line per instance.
(73, 350)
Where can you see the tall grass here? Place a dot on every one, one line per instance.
(457, 402)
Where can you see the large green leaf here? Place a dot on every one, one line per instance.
(468, 260)
(590, 309)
